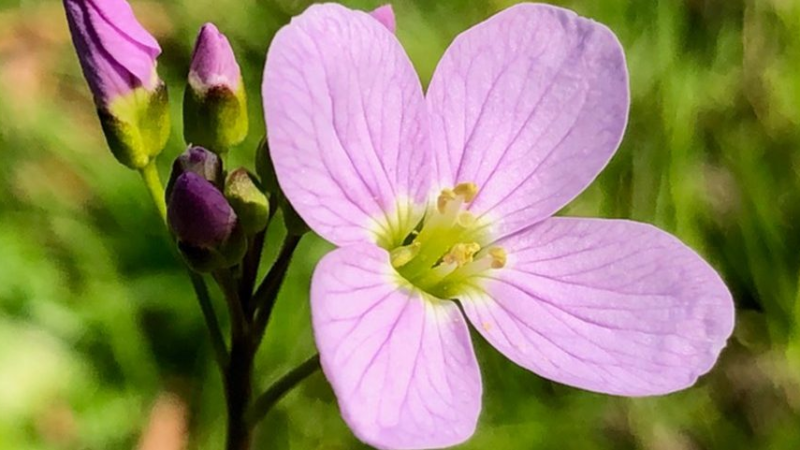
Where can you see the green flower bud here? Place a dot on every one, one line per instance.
(250, 204)
(215, 103)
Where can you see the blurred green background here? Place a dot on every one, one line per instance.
(102, 345)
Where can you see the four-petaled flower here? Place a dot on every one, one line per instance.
(444, 199)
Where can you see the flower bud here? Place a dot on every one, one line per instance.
(206, 227)
(118, 58)
(247, 200)
(197, 160)
(215, 103)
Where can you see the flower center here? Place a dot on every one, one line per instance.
(445, 252)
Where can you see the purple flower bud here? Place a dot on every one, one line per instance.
(198, 212)
(118, 58)
(196, 160)
(206, 227)
(215, 103)
(213, 62)
(117, 55)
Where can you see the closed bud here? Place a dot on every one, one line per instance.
(215, 103)
(118, 58)
(247, 200)
(206, 227)
(197, 160)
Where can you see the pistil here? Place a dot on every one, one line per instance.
(447, 250)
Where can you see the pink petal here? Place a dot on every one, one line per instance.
(347, 125)
(385, 15)
(401, 364)
(605, 305)
(117, 27)
(530, 105)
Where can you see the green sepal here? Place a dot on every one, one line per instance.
(137, 126)
(247, 200)
(216, 118)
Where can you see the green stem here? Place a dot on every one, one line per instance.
(214, 331)
(239, 322)
(239, 391)
(267, 293)
(250, 271)
(153, 183)
(274, 393)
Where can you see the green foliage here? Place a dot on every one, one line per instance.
(98, 320)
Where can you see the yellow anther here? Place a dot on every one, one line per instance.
(403, 255)
(499, 257)
(461, 254)
(467, 191)
(466, 219)
(444, 199)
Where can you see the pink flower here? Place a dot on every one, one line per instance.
(446, 198)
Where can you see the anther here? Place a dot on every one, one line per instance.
(466, 219)
(462, 253)
(467, 191)
(444, 199)
(499, 257)
(403, 255)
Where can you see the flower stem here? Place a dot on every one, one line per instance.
(239, 391)
(153, 183)
(250, 271)
(267, 293)
(274, 393)
(239, 323)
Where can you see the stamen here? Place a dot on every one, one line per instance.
(446, 251)
(466, 219)
(467, 191)
(499, 257)
(462, 254)
(445, 198)
(403, 255)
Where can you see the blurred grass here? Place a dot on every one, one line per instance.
(97, 320)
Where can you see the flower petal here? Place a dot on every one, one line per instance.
(348, 127)
(530, 105)
(605, 305)
(123, 37)
(385, 15)
(401, 364)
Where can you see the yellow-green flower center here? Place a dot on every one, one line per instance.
(445, 253)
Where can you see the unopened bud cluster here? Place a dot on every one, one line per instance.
(211, 214)
(211, 219)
